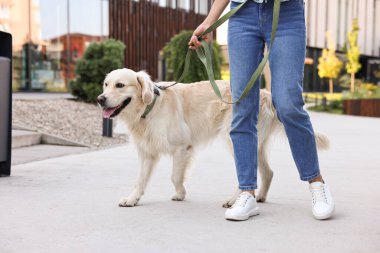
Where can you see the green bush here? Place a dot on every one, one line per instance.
(99, 59)
(175, 54)
(334, 106)
(363, 91)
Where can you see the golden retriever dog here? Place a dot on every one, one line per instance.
(177, 121)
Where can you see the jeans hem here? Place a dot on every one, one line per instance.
(309, 178)
(248, 188)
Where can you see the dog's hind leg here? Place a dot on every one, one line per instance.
(266, 173)
(147, 164)
(182, 158)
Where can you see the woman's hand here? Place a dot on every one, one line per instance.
(216, 10)
(194, 42)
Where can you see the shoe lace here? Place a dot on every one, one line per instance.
(241, 200)
(319, 195)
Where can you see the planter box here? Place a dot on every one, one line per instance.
(362, 107)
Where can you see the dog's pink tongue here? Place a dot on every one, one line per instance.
(108, 112)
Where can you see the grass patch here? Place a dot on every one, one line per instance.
(319, 96)
(321, 108)
(334, 106)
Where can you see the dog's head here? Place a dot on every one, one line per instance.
(125, 88)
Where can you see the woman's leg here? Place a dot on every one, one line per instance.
(245, 46)
(287, 66)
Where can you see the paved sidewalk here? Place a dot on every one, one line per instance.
(69, 204)
(43, 152)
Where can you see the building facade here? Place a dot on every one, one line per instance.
(58, 49)
(336, 16)
(22, 19)
(146, 26)
(48, 36)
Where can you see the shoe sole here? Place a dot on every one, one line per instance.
(253, 212)
(325, 216)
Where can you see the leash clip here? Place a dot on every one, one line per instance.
(161, 87)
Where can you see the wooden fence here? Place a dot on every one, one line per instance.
(362, 107)
(145, 28)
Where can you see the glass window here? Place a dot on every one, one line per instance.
(44, 55)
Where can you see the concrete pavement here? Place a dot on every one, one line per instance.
(43, 152)
(29, 146)
(69, 204)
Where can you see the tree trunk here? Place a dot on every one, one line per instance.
(331, 86)
(352, 82)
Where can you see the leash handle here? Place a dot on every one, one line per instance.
(204, 54)
(190, 52)
(220, 21)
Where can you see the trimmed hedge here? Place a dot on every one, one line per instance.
(99, 59)
(175, 54)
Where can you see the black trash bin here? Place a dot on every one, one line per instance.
(5, 103)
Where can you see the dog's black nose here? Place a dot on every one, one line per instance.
(102, 100)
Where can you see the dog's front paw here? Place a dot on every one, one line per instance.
(179, 196)
(228, 203)
(128, 202)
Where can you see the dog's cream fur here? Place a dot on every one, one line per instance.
(183, 118)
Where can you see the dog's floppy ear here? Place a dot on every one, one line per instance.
(147, 87)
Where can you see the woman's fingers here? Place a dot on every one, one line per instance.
(197, 42)
(194, 42)
(207, 37)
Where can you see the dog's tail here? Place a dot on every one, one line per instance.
(323, 142)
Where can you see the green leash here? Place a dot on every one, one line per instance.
(204, 53)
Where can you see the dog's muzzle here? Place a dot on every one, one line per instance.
(109, 112)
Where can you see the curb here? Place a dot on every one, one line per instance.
(51, 139)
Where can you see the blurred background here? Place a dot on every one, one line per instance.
(49, 36)
(62, 49)
(43, 31)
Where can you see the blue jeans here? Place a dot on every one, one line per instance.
(248, 30)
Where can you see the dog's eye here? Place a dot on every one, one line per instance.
(106, 84)
(119, 85)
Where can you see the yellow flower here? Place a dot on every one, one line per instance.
(353, 52)
(329, 65)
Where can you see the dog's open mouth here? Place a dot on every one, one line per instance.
(114, 111)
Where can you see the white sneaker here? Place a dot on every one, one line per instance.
(322, 201)
(244, 207)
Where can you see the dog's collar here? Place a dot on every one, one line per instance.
(149, 107)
